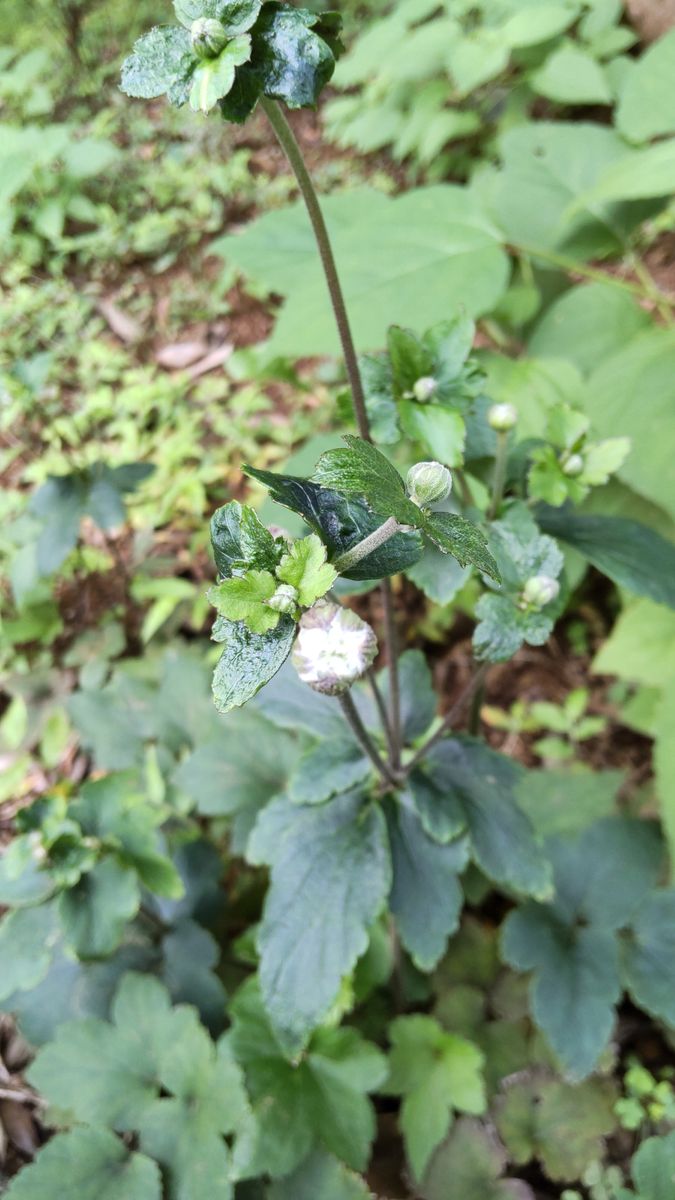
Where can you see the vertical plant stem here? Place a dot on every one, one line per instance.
(391, 637)
(499, 478)
(382, 710)
(293, 153)
(363, 738)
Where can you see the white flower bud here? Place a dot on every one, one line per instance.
(208, 37)
(428, 483)
(285, 599)
(424, 388)
(539, 591)
(334, 647)
(572, 465)
(502, 417)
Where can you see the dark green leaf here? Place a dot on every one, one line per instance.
(248, 660)
(503, 627)
(239, 539)
(561, 1124)
(653, 1168)
(483, 783)
(291, 60)
(438, 807)
(341, 523)
(323, 1176)
(91, 1164)
(468, 544)
(568, 800)
(27, 937)
(418, 698)
(361, 470)
(161, 63)
(94, 914)
(290, 704)
(328, 768)
(237, 16)
(339, 850)
(410, 359)
(426, 896)
(649, 954)
(631, 554)
(469, 1166)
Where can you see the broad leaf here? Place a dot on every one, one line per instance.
(237, 16)
(631, 554)
(342, 523)
(438, 575)
(240, 540)
(561, 1124)
(469, 1166)
(361, 470)
(653, 1168)
(468, 544)
(647, 960)
(340, 851)
(293, 58)
(587, 324)
(161, 64)
(320, 1100)
(646, 104)
(321, 1175)
(437, 1073)
(94, 914)
(249, 660)
(27, 938)
(327, 769)
(482, 785)
(503, 627)
(571, 75)
(91, 1164)
(426, 896)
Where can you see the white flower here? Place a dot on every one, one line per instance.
(334, 647)
(428, 483)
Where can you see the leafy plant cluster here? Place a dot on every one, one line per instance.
(237, 932)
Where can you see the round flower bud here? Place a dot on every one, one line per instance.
(428, 483)
(502, 417)
(285, 599)
(334, 647)
(540, 590)
(208, 37)
(424, 388)
(572, 465)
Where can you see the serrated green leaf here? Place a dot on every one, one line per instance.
(440, 809)
(503, 627)
(243, 598)
(294, 53)
(341, 522)
(469, 1166)
(647, 956)
(94, 914)
(521, 550)
(319, 1100)
(213, 78)
(237, 16)
(409, 358)
(426, 897)
(437, 1073)
(559, 1123)
(27, 939)
(162, 63)
(340, 851)
(249, 660)
(361, 470)
(483, 784)
(466, 542)
(327, 769)
(305, 568)
(240, 540)
(91, 1164)
(321, 1175)
(441, 431)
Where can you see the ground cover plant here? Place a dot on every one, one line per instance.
(337, 905)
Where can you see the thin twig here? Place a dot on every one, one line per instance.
(391, 639)
(364, 739)
(381, 708)
(450, 717)
(293, 153)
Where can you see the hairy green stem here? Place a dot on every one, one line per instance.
(499, 478)
(364, 739)
(473, 688)
(291, 149)
(362, 549)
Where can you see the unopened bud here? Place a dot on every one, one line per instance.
(285, 599)
(424, 388)
(208, 37)
(572, 465)
(502, 417)
(428, 483)
(540, 590)
(333, 649)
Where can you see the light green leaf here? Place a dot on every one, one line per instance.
(537, 23)
(566, 801)
(91, 1164)
(572, 76)
(161, 63)
(466, 542)
(440, 430)
(426, 897)
(213, 78)
(305, 568)
(639, 175)
(646, 103)
(243, 598)
(431, 243)
(94, 914)
(653, 1168)
(438, 575)
(587, 324)
(476, 58)
(438, 1074)
(27, 938)
(249, 660)
(321, 1175)
(641, 646)
(340, 851)
(362, 470)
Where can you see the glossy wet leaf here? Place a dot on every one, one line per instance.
(249, 660)
(361, 470)
(466, 542)
(161, 64)
(243, 598)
